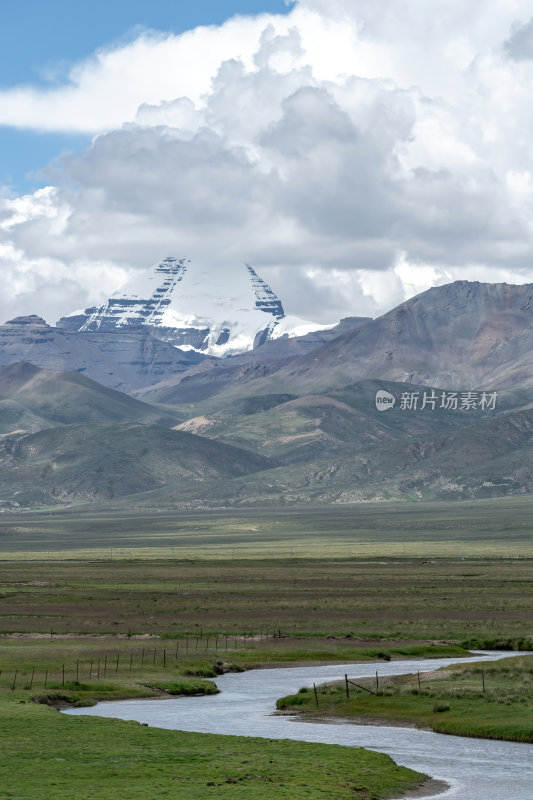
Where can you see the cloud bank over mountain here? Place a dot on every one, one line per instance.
(354, 152)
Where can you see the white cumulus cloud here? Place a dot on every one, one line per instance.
(354, 151)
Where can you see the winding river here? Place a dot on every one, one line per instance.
(476, 769)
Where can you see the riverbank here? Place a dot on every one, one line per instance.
(428, 788)
(83, 670)
(476, 768)
(46, 754)
(42, 758)
(488, 701)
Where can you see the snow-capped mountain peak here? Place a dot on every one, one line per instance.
(142, 301)
(215, 311)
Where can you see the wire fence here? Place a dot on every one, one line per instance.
(116, 662)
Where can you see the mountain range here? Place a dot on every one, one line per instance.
(106, 409)
(460, 336)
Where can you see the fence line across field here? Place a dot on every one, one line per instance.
(117, 661)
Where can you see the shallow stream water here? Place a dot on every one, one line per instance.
(476, 769)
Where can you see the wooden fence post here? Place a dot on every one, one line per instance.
(316, 695)
(377, 682)
(347, 687)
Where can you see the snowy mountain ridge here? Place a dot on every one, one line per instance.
(219, 312)
(143, 303)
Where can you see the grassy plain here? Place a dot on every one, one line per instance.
(491, 701)
(499, 528)
(169, 595)
(129, 620)
(306, 600)
(134, 628)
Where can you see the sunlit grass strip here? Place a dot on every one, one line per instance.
(257, 551)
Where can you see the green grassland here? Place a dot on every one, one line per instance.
(485, 528)
(84, 631)
(47, 755)
(126, 605)
(491, 701)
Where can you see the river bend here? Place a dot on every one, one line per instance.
(476, 769)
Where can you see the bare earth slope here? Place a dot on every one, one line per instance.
(462, 335)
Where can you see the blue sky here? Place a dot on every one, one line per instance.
(41, 39)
